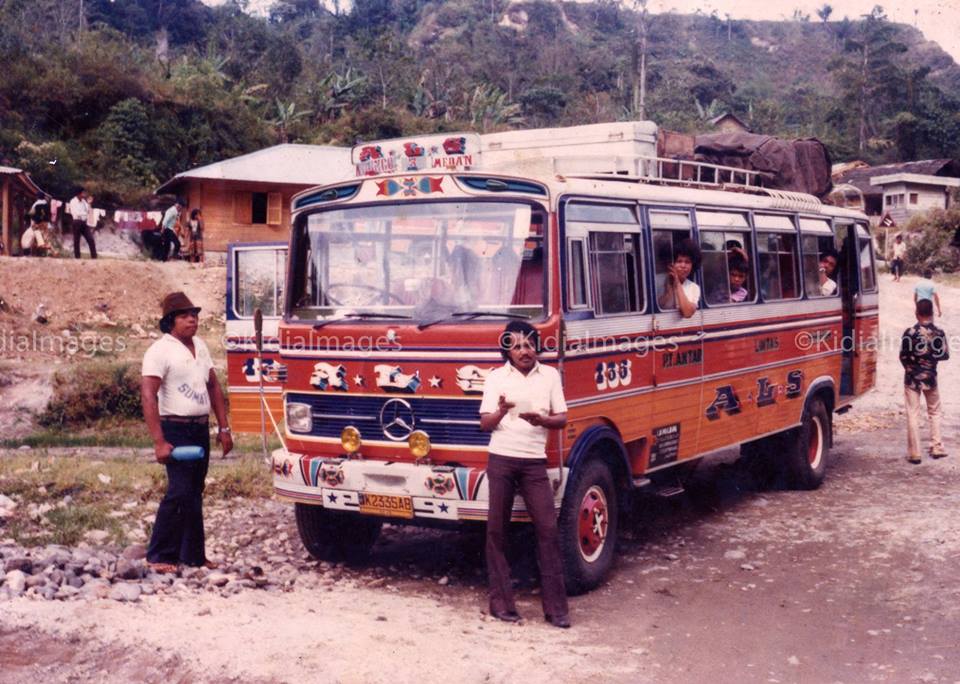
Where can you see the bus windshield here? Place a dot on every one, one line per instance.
(425, 262)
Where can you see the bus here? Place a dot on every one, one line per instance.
(382, 315)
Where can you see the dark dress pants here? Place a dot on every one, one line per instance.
(81, 228)
(178, 530)
(505, 477)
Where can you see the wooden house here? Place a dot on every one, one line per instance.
(247, 198)
(17, 193)
(899, 191)
(729, 123)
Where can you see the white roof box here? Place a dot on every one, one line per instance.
(594, 148)
(600, 148)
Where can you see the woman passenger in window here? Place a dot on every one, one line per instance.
(680, 292)
(828, 265)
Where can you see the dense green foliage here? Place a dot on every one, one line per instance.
(937, 228)
(129, 92)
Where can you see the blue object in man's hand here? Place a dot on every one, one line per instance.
(187, 453)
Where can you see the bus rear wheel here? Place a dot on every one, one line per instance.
(334, 536)
(795, 459)
(807, 447)
(588, 527)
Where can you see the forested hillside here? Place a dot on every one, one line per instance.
(123, 94)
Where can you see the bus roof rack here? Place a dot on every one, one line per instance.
(680, 172)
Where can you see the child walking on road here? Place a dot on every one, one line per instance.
(921, 348)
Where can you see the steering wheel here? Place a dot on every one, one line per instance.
(378, 294)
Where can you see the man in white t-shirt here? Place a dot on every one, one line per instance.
(680, 291)
(522, 400)
(899, 254)
(178, 389)
(79, 210)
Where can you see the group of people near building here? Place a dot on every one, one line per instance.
(179, 232)
(182, 232)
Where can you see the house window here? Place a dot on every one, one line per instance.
(914, 197)
(258, 208)
(901, 199)
(889, 199)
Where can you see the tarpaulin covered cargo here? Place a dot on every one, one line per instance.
(800, 165)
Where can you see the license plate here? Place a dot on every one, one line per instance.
(385, 504)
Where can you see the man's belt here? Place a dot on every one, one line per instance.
(193, 420)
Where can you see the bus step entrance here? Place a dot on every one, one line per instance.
(669, 490)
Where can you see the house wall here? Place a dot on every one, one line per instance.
(897, 200)
(226, 214)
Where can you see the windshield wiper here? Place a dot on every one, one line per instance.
(361, 315)
(469, 315)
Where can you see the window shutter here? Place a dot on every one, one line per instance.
(242, 208)
(274, 208)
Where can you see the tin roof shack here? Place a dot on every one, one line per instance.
(17, 193)
(729, 123)
(247, 198)
(902, 190)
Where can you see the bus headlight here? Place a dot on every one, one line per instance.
(419, 443)
(299, 417)
(350, 439)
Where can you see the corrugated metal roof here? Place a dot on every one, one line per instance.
(288, 164)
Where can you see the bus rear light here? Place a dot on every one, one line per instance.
(299, 417)
(350, 439)
(419, 443)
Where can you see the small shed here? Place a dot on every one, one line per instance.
(17, 193)
(247, 198)
(729, 123)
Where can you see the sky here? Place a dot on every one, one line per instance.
(939, 20)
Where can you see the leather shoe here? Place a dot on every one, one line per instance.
(561, 621)
(506, 615)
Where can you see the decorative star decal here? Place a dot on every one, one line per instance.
(358, 380)
(332, 497)
(436, 381)
(443, 508)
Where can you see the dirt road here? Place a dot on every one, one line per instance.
(855, 582)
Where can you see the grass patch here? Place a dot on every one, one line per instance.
(92, 393)
(61, 498)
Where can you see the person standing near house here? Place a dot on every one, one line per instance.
(79, 210)
(899, 253)
(925, 289)
(195, 230)
(178, 389)
(522, 400)
(922, 347)
(35, 241)
(169, 228)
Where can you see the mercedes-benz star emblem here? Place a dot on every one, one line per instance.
(397, 420)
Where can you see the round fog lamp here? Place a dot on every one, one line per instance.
(350, 439)
(419, 443)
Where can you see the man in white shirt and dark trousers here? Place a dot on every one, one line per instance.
(178, 389)
(79, 210)
(522, 400)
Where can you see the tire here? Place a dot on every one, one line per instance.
(335, 536)
(795, 459)
(807, 447)
(588, 526)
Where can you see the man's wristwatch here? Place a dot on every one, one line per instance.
(224, 429)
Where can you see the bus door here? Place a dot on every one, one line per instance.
(256, 275)
(608, 323)
(858, 292)
(677, 349)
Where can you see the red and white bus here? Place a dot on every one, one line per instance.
(383, 314)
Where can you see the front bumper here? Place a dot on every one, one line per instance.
(435, 492)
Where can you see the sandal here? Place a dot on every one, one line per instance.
(163, 568)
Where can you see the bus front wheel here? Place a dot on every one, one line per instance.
(335, 536)
(588, 527)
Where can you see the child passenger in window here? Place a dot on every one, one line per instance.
(739, 271)
(680, 292)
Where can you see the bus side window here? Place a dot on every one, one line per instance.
(868, 280)
(664, 245)
(776, 265)
(820, 266)
(727, 267)
(615, 261)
